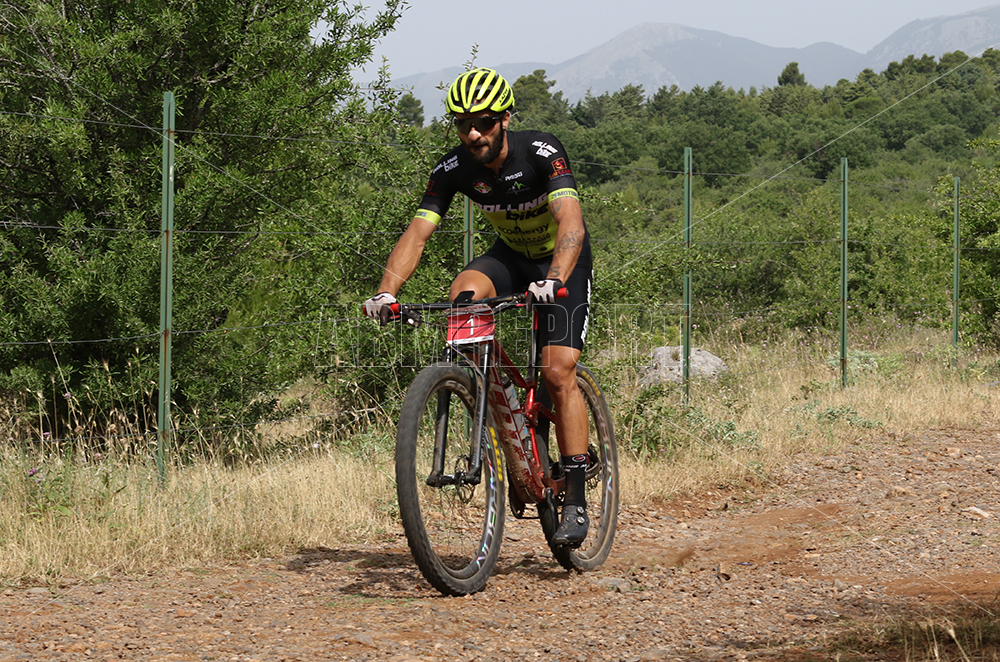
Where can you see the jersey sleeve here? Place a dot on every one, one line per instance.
(439, 192)
(553, 162)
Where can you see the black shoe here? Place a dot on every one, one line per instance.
(573, 527)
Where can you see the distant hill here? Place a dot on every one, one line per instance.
(658, 54)
(971, 32)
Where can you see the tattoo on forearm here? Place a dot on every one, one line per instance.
(571, 241)
(567, 243)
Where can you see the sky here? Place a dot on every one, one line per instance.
(434, 34)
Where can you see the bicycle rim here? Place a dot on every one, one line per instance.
(453, 531)
(602, 485)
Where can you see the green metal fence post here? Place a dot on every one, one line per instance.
(163, 429)
(956, 280)
(686, 339)
(843, 272)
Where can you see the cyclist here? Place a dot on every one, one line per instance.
(522, 183)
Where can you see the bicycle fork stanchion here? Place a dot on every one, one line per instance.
(438, 477)
(476, 462)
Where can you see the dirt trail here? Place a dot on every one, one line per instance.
(891, 528)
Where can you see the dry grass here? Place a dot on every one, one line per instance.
(96, 520)
(787, 399)
(74, 519)
(969, 634)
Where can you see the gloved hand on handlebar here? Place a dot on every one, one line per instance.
(373, 306)
(544, 291)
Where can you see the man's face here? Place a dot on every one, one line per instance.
(484, 144)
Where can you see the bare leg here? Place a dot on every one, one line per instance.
(476, 281)
(559, 372)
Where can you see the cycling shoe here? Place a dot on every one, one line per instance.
(573, 526)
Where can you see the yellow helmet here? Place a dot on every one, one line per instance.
(478, 90)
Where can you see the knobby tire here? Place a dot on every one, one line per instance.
(602, 485)
(453, 532)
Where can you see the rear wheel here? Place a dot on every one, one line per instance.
(454, 528)
(602, 485)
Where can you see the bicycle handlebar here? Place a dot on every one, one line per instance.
(410, 311)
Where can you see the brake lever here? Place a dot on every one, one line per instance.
(412, 317)
(395, 313)
(388, 314)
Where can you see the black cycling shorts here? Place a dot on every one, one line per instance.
(561, 323)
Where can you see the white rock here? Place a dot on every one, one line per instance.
(666, 365)
(977, 512)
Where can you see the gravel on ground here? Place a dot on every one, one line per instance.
(893, 527)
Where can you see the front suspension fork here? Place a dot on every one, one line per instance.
(473, 475)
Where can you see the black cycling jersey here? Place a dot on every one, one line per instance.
(515, 201)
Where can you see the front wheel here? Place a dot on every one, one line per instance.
(602, 485)
(454, 527)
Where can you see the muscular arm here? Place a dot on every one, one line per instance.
(569, 237)
(405, 256)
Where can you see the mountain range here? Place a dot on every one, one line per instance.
(658, 54)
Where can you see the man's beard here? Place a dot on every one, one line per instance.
(491, 154)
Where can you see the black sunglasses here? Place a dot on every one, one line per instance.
(482, 124)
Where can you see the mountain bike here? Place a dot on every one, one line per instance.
(465, 444)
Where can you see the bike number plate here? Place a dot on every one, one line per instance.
(471, 325)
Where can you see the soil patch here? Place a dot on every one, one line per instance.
(887, 531)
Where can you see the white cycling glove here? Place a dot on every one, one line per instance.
(543, 291)
(374, 305)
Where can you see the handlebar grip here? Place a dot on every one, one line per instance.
(561, 293)
(388, 313)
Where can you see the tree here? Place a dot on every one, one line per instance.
(665, 103)
(791, 76)
(531, 92)
(537, 107)
(718, 105)
(981, 241)
(411, 111)
(715, 151)
(259, 102)
(628, 103)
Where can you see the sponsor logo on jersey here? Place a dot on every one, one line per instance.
(559, 167)
(544, 149)
(516, 175)
(564, 193)
(450, 164)
(482, 187)
(525, 215)
(524, 206)
(515, 187)
(540, 201)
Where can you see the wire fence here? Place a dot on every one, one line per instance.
(723, 256)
